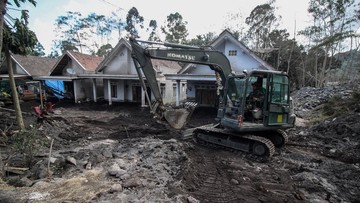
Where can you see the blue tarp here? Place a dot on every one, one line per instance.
(57, 87)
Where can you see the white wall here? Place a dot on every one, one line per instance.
(242, 60)
(76, 67)
(83, 89)
(124, 90)
(122, 64)
(18, 70)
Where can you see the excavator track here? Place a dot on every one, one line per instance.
(278, 137)
(256, 147)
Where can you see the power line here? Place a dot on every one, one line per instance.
(111, 4)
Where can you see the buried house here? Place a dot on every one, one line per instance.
(25, 68)
(121, 82)
(76, 71)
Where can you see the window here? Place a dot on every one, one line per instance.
(232, 52)
(113, 90)
(162, 90)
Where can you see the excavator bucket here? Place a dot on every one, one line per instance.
(177, 118)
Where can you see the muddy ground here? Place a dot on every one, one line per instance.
(121, 153)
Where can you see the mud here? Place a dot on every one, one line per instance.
(121, 153)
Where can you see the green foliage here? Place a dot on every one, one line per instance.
(104, 50)
(133, 18)
(27, 143)
(262, 20)
(202, 40)
(333, 23)
(154, 36)
(38, 50)
(71, 28)
(175, 30)
(18, 37)
(4, 95)
(337, 106)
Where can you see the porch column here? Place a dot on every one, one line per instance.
(75, 92)
(94, 89)
(143, 103)
(109, 92)
(177, 92)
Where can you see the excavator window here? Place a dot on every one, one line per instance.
(235, 90)
(280, 91)
(234, 96)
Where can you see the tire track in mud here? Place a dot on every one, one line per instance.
(207, 180)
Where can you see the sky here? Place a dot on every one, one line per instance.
(202, 16)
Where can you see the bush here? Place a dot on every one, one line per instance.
(27, 143)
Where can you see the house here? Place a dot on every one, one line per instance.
(201, 80)
(27, 66)
(77, 71)
(24, 69)
(121, 82)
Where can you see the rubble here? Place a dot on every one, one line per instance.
(131, 157)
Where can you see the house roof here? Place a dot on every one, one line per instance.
(85, 61)
(124, 43)
(114, 52)
(157, 63)
(227, 35)
(32, 65)
(224, 36)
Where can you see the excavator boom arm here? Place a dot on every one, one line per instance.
(216, 60)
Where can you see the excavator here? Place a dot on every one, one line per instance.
(247, 122)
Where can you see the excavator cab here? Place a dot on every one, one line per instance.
(256, 102)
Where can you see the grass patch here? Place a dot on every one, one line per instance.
(337, 106)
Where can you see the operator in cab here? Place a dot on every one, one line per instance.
(258, 93)
(255, 102)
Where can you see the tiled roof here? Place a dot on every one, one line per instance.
(164, 63)
(89, 62)
(35, 65)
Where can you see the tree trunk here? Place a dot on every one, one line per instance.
(323, 68)
(15, 96)
(316, 69)
(2, 14)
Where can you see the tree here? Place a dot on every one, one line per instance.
(332, 23)
(202, 40)
(72, 31)
(287, 56)
(234, 25)
(38, 50)
(175, 30)
(104, 50)
(19, 39)
(154, 36)
(262, 20)
(100, 26)
(133, 19)
(84, 34)
(115, 22)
